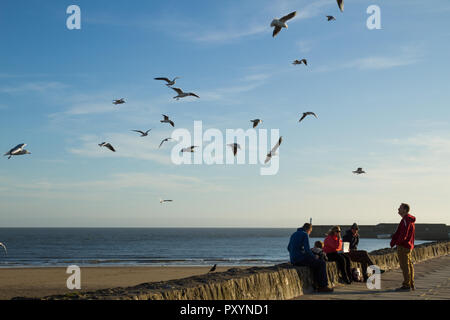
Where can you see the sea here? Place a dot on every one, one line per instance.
(53, 247)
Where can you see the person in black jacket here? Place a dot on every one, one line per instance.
(352, 236)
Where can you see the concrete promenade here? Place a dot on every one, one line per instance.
(432, 279)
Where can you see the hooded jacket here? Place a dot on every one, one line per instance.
(404, 236)
(298, 246)
(353, 239)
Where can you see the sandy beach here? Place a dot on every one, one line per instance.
(40, 282)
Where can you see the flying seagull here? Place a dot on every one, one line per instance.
(273, 151)
(278, 24)
(162, 201)
(167, 120)
(235, 147)
(340, 5)
(17, 151)
(331, 18)
(119, 101)
(213, 268)
(304, 61)
(305, 114)
(182, 94)
(107, 145)
(189, 149)
(256, 122)
(4, 247)
(359, 171)
(165, 140)
(169, 82)
(143, 134)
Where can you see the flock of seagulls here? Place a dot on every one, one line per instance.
(278, 25)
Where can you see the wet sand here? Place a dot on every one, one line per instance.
(40, 282)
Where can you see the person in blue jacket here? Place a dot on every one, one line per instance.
(301, 255)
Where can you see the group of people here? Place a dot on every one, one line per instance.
(330, 249)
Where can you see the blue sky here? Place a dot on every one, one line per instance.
(381, 97)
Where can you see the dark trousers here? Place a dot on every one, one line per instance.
(343, 264)
(362, 257)
(319, 269)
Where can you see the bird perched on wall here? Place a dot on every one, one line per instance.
(278, 24)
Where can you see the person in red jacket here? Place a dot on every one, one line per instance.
(332, 245)
(403, 238)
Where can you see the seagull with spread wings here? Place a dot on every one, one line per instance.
(235, 147)
(17, 151)
(165, 140)
(167, 120)
(273, 151)
(169, 82)
(213, 268)
(329, 18)
(256, 122)
(189, 149)
(359, 171)
(278, 24)
(143, 134)
(340, 5)
(182, 94)
(4, 247)
(119, 101)
(305, 114)
(107, 145)
(304, 61)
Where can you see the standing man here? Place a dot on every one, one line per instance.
(403, 238)
(301, 255)
(352, 236)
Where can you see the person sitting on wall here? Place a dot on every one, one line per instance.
(317, 250)
(361, 256)
(333, 244)
(300, 254)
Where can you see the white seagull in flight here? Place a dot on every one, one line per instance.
(165, 140)
(17, 151)
(107, 145)
(143, 134)
(305, 114)
(119, 101)
(189, 149)
(359, 171)
(167, 120)
(162, 201)
(256, 122)
(340, 5)
(273, 151)
(182, 94)
(278, 24)
(169, 82)
(4, 247)
(235, 147)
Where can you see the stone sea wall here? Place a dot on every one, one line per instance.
(279, 282)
